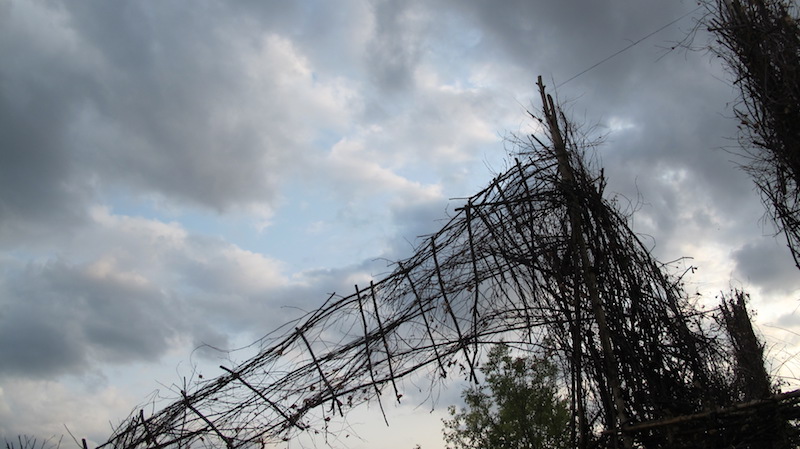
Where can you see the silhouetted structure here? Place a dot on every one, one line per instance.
(760, 42)
(538, 258)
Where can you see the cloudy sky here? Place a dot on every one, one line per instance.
(174, 174)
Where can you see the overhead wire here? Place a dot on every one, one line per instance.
(631, 45)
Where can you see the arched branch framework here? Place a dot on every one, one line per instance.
(538, 256)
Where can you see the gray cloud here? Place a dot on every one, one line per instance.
(171, 89)
(131, 289)
(38, 176)
(372, 112)
(767, 264)
(201, 107)
(394, 50)
(60, 318)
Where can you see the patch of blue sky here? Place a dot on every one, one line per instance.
(450, 51)
(16, 258)
(325, 138)
(312, 230)
(309, 228)
(235, 228)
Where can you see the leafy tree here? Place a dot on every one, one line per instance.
(518, 407)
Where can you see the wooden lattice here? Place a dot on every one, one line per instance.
(538, 258)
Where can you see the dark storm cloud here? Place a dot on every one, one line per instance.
(158, 290)
(674, 162)
(36, 176)
(57, 318)
(41, 89)
(192, 104)
(170, 86)
(550, 37)
(662, 110)
(767, 264)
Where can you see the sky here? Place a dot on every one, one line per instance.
(176, 174)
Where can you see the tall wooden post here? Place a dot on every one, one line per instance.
(589, 276)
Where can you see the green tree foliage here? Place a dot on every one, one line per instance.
(518, 407)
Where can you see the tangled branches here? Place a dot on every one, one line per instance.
(537, 257)
(760, 42)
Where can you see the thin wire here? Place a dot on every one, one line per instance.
(632, 45)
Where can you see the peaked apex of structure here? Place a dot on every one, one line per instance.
(538, 257)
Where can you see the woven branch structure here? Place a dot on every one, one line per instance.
(760, 42)
(538, 258)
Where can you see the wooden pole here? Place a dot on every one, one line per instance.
(576, 222)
